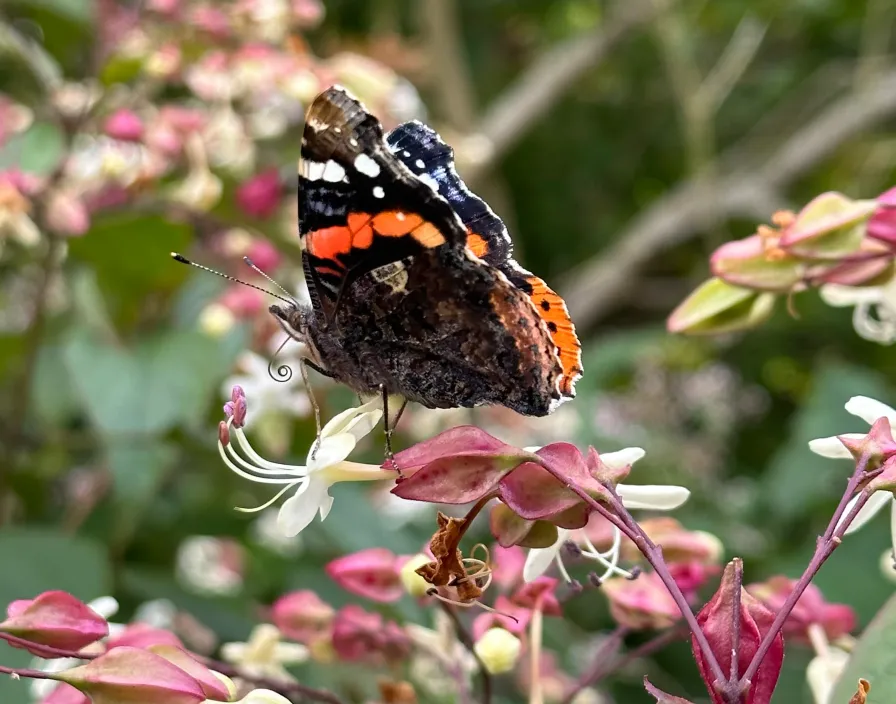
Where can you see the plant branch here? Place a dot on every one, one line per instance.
(825, 545)
(463, 635)
(275, 685)
(608, 648)
(596, 286)
(45, 651)
(537, 90)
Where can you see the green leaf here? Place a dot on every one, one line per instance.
(873, 659)
(131, 255)
(717, 307)
(160, 384)
(37, 560)
(796, 478)
(37, 150)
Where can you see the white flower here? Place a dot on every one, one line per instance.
(326, 465)
(268, 393)
(655, 497)
(870, 411)
(874, 315)
(828, 664)
(264, 654)
(265, 531)
(210, 565)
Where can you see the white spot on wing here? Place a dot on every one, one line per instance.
(419, 164)
(429, 181)
(406, 153)
(399, 215)
(378, 192)
(333, 172)
(312, 170)
(367, 166)
(353, 142)
(317, 125)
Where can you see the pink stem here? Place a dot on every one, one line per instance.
(23, 672)
(45, 651)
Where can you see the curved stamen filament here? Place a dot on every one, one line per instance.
(260, 461)
(270, 501)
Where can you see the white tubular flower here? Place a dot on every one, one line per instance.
(869, 411)
(264, 655)
(655, 497)
(326, 463)
(874, 312)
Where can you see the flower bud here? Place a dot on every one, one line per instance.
(56, 619)
(302, 616)
(125, 125)
(213, 686)
(142, 635)
(362, 636)
(65, 694)
(640, 603)
(498, 650)
(372, 573)
(718, 307)
(539, 595)
(126, 675)
(260, 196)
(829, 227)
(717, 620)
(66, 214)
(757, 263)
(216, 320)
(882, 225)
(412, 582)
(811, 608)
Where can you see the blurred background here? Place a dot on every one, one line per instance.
(621, 143)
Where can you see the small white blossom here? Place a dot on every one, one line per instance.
(210, 565)
(264, 654)
(869, 411)
(325, 465)
(874, 313)
(655, 497)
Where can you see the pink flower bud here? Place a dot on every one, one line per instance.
(507, 565)
(264, 255)
(56, 619)
(717, 620)
(882, 225)
(66, 694)
(757, 263)
(373, 574)
(359, 635)
(506, 615)
(641, 603)
(125, 125)
(212, 686)
(67, 214)
(878, 445)
(142, 635)
(811, 608)
(539, 595)
(302, 616)
(124, 675)
(260, 196)
(243, 302)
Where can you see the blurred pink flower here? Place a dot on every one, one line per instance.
(302, 616)
(506, 614)
(640, 603)
(811, 608)
(66, 213)
(213, 20)
(507, 565)
(142, 635)
(125, 125)
(264, 255)
(373, 573)
(56, 619)
(14, 118)
(882, 225)
(260, 196)
(66, 694)
(360, 635)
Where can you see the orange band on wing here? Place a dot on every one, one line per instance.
(362, 230)
(329, 241)
(428, 235)
(396, 223)
(552, 310)
(477, 244)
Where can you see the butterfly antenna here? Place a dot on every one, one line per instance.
(255, 268)
(183, 260)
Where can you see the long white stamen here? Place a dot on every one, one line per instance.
(295, 470)
(271, 501)
(611, 564)
(280, 475)
(562, 568)
(246, 475)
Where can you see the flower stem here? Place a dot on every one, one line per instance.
(279, 686)
(463, 635)
(17, 672)
(825, 545)
(620, 517)
(44, 651)
(536, 695)
(607, 649)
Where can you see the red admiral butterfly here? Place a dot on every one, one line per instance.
(413, 288)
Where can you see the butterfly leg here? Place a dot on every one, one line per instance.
(390, 427)
(303, 365)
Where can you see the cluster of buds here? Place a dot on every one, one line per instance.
(138, 663)
(833, 243)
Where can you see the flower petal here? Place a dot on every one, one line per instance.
(842, 296)
(870, 410)
(330, 451)
(299, 509)
(341, 422)
(661, 497)
(539, 559)
(623, 457)
(878, 500)
(832, 448)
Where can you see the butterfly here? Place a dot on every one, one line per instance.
(413, 287)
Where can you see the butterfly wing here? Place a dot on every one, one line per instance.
(432, 161)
